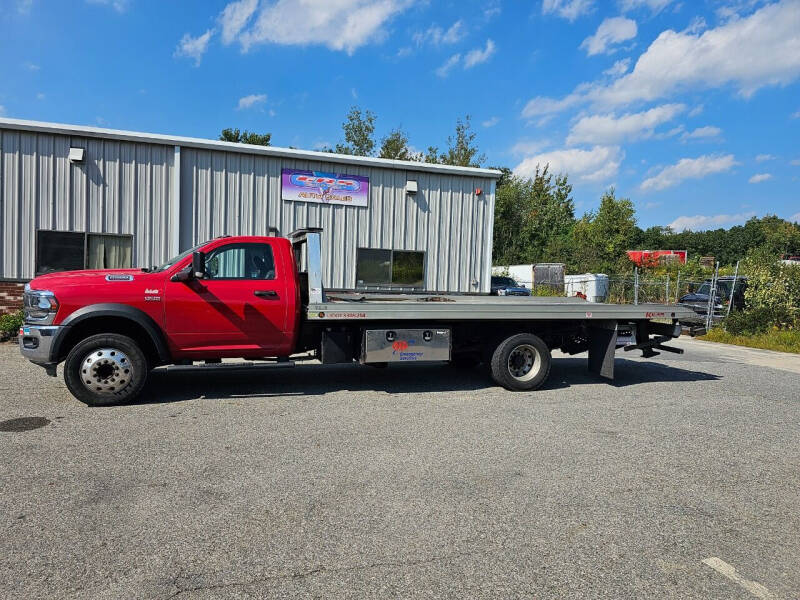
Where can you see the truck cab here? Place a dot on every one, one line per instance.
(232, 297)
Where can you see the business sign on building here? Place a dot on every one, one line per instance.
(325, 188)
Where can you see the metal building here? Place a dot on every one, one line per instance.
(75, 197)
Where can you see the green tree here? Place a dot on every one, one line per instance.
(395, 146)
(359, 131)
(432, 155)
(245, 137)
(533, 218)
(461, 148)
(600, 239)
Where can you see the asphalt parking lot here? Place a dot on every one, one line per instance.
(419, 481)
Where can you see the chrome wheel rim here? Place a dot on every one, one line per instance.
(524, 362)
(106, 371)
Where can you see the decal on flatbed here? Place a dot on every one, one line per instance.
(345, 315)
(650, 315)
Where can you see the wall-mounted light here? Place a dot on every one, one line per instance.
(411, 186)
(76, 154)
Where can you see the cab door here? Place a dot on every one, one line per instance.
(239, 308)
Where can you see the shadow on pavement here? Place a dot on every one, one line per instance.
(317, 380)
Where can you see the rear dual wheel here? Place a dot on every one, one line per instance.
(106, 369)
(521, 362)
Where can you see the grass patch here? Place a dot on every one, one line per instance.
(781, 340)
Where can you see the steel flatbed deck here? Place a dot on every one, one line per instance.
(345, 306)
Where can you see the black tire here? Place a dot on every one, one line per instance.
(106, 369)
(509, 362)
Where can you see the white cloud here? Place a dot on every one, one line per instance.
(676, 61)
(234, 17)
(436, 35)
(2, 110)
(609, 129)
(491, 122)
(700, 222)
(118, 5)
(541, 105)
(760, 177)
(567, 9)
(194, 48)
(795, 162)
(702, 133)
(343, 25)
(40, 96)
(444, 69)
(679, 61)
(689, 168)
(478, 56)
(526, 147)
(611, 31)
(654, 5)
(619, 68)
(24, 6)
(251, 101)
(795, 218)
(596, 164)
(697, 110)
(31, 66)
(796, 115)
(765, 157)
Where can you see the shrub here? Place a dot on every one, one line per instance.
(755, 321)
(9, 325)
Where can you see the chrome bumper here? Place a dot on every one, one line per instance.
(36, 343)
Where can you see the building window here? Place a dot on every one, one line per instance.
(108, 251)
(74, 250)
(390, 268)
(241, 261)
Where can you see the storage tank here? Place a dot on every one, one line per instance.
(592, 285)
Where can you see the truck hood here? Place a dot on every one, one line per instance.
(88, 277)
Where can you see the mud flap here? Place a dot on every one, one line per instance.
(602, 347)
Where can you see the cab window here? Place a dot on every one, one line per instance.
(241, 261)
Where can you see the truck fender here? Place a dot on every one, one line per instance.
(124, 311)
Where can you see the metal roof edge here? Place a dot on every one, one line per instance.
(190, 142)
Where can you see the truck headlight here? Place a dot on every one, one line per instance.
(39, 306)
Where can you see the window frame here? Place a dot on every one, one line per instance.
(85, 234)
(222, 247)
(391, 285)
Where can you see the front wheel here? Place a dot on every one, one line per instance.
(106, 369)
(521, 362)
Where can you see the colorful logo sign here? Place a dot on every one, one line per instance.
(324, 188)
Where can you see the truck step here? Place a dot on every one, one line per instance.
(231, 366)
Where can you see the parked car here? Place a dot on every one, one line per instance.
(506, 286)
(698, 300)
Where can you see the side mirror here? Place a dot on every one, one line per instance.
(198, 265)
(183, 275)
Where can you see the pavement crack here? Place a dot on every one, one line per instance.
(298, 575)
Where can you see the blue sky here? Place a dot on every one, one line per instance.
(689, 108)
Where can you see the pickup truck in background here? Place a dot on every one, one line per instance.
(262, 299)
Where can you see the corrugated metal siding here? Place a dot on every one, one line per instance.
(121, 187)
(127, 187)
(228, 193)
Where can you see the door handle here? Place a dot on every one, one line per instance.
(266, 293)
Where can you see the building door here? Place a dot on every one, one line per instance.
(238, 309)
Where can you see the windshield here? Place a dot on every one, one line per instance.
(176, 259)
(507, 281)
(722, 289)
